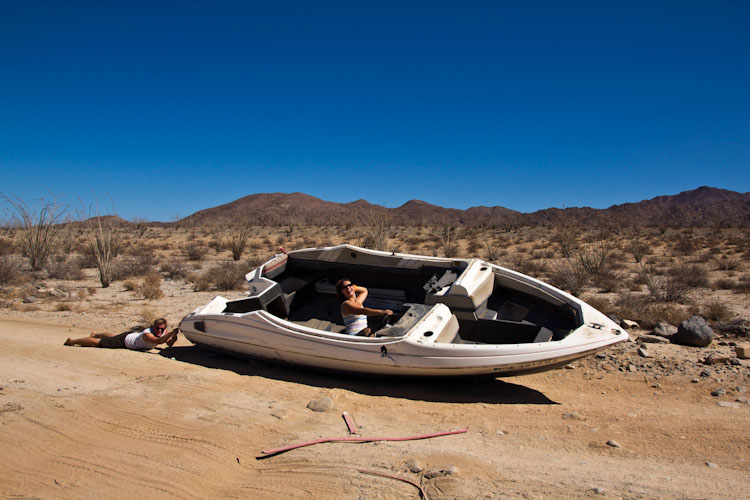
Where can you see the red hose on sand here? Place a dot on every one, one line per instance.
(276, 451)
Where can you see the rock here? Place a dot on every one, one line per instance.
(30, 299)
(694, 332)
(719, 392)
(632, 367)
(711, 464)
(664, 329)
(653, 339)
(499, 432)
(735, 362)
(740, 388)
(599, 491)
(715, 359)
(413, 466)
(728, 404)
(741, 399)
(706, 372)
(601, 355)
(613, 443)
(742, 351)
(573, 416)
(628, 324)
(322, 404)
(433, 473)
(642, 352)
(56, 293)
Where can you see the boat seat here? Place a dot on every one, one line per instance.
(281, 305)
(467, 292)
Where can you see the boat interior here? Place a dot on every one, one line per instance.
(491, 305)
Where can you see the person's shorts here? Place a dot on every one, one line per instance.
(116, 342)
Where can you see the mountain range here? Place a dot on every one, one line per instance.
(702, 207)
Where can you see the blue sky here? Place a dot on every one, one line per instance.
(166, 108)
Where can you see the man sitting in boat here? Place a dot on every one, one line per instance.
(353, 309)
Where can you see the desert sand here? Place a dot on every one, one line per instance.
(182, 422)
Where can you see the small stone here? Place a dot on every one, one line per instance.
(742, 351)
(573, 416)
(570, 366)
(629, 324)
(653, 339)
(711, 464)
(280, 414)
(599, 491)
(664, 329)
(601, 355)
(735, 362)
(656, 386)
(30, 299)
(322, 404)
(740, 388)
(727, 404)
(741, 399)
(706, 372)
(695, 380)
(433, 473)
(413, 466)
(715, 359)
(631, 367)
(642, 352)
(613, 443)
(719, 392)
(499, 432)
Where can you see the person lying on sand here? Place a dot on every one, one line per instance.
(140, 341)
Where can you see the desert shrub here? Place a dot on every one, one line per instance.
(201, 282)
(224, 276)
(194, 251)
(40, 229)
(9, 270)
(7, 247)
(570, 276)
(130, 266)
(376, 231)
(104, 239)
(150, 287)
(491, 251)
(62, 268)
(638, 249)
(724, 284)
(130, 285)
(727, 264)
(174, 269)
(713, 310)
(237, 241)
(691, 275)
(685, 245)
(633, 306)
(600, 304)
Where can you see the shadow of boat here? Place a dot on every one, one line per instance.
(443, 390)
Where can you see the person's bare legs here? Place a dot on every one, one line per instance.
(84, 341)
(101, 335)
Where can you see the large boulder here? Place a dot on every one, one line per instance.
(694, 332)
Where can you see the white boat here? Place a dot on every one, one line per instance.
(451, 316)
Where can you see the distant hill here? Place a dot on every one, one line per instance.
(702, 207)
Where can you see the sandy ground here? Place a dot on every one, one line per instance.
(185, 423)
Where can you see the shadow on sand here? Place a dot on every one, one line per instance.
(444, 390)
